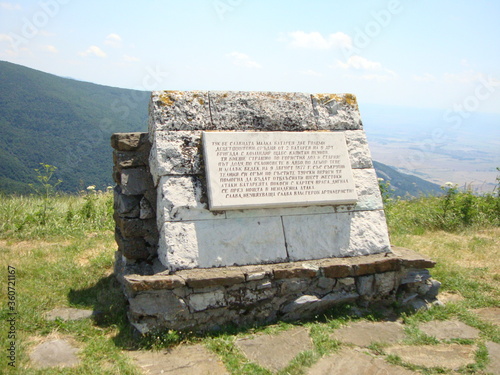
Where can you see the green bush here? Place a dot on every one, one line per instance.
(454, 211)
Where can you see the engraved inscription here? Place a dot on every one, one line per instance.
(277, 169)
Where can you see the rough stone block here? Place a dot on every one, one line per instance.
(367, 188)
(365, 285)
(336, 235)
(162, 303)
(146, 209)
(179, 110)
(203, 278)
(262, 111)
(139, 283)
(135, 181)
(129, 141)
(130, 159)
(357, 145)
(126, 205)
(336, 112)
(135, 227)
(385, 283)
(181, 198)
(216, 243)
(132, 248)
(175, 153)
(203, 301)
(295, 272)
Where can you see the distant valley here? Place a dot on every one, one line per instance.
(422, 143)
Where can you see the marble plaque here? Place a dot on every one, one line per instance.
(246, 170)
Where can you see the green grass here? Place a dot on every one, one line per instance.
(67, 261)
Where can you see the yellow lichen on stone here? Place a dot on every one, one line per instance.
(348, 99)
(168, 97)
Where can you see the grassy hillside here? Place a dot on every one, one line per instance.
(62, 122)
(68, 262)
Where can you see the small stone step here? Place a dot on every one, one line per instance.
(54, 353)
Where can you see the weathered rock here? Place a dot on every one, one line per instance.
(129, 141)
(130, 159)
(489, 314)
(175, 153)
(354, 362)
(126, 205)
(451, 356)
(202, 301)
(66, 313)
(139, 283)
(181, 360)
(449, 329)
(274, 352)
(132, 248)
(494, 358)
(146, 210)
(366, 333)
(135, 181)
(180, 198)
(179, 110)
(336, 112)
(262, 111)
(55, 353)
(359, 153)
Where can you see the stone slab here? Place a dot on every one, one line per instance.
(175, 153)
(54, 353)
(494, 358)
(366, 333)
(489, 314)
(275, 352)
(359, 152)
(182, 360)
(65, 313)
(178, 110)
(217, 243)
(272, 169)
(180, 198)
(449, 329)
(337, 235)
(336, 111)
(450, 356)
(354, 362)
(261, 111)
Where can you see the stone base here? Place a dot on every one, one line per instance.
(208, 299)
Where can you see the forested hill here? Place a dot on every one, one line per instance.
(62, 122)
(68, 123)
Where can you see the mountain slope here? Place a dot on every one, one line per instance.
(67, 123)
(62, 122)
(405, 185)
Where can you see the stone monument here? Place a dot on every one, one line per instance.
(248, 207)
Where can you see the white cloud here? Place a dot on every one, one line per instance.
(426, 77)
(5, 38)
(113, 40)
(365, 69)
(243, 60)
(468, 76)
(49, 48)
(315, 40)
(10, 6)
(359, 63)
(128, 58)
(93, 50)
(311, 73)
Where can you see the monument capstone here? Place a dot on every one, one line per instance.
(248, 207)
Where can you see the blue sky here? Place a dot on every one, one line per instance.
(425, 54)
